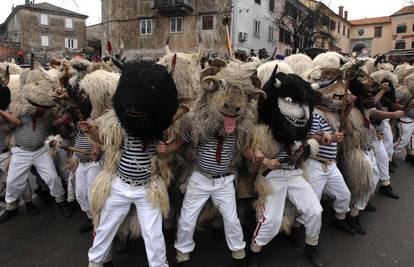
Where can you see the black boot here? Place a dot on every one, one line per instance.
(31, 208)
(409, 158)
(64, 210)
(253, 259)
(386, 190)
(7, 215)
(355, 223)
(370, 208)
(183, 264)
(239, 262)
(294, 237)
(86, 227)
(311, 252)
(343, 226)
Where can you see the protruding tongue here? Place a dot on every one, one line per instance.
(229, 124)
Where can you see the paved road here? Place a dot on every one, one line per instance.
(48, 240)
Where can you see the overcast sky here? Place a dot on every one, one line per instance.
(357, 8)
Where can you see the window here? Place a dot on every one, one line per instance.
(339, 27)
(71, 43)
(284, 36)
(343, 30)
(400, 45)
(44, 19)
(272, 5)
(361, 32)
(176, 24)
(146, 26)
(325, 21)
(257, 1)
(256, 29)
(378, 32)
(333, 25)
(402, 28)
(69, 23)
(349, 33)
(270, 34)
(412, 44)
(413, 28)
(207, 22)
(45, 40)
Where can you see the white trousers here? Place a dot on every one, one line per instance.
(20, 164)
(3, 174)
(288, 184)
(113, 213)
(405, 140)
(382, 159)
(362, 203)
(388, 138)
(329, 180)
(85, 176)
(222, 193)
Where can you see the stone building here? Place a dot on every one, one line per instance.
(144, 26)
(392, 34)
(46, 29)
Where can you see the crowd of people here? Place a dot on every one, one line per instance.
(185, 146)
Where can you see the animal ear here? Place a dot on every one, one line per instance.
(210, 71)
(218, 62)
(210, 84)
(255, 80)
(6, 79)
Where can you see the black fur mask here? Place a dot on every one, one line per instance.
(363, 93)
(288, 107)
(145, 100)
(5, 97)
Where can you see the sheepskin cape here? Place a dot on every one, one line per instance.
(112, 135)
(356, 170)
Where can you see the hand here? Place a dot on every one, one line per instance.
(258, 156)
(385, 86)
(271, 163)
(399, 114)
(338, 137)
(327, 138)
(84, 126)
(95, 152)
(163, 148)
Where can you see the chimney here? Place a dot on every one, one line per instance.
(341, 11)
(346, 15)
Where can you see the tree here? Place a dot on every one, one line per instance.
(304, 27)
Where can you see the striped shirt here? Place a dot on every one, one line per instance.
(81, 142)
(135, 163)
(320, 125)
(29, 138)
(206, 154)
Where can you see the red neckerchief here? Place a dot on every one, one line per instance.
(219, 148)
(34, 118)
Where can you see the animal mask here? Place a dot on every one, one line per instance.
(287, 109)
(5, 97)
(145, 100)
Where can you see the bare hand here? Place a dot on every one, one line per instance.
(84, 126)
(399, 114)
(258, 156)
(327, 138)
(271, 163)
(163, 148)
(338, 137)
(95, 152)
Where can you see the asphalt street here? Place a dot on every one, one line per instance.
(49, 240)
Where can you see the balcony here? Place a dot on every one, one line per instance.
(173, 7)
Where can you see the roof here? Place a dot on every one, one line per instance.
(404, 11)
(368, 21)
(45, 7)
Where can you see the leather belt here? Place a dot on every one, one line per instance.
(29, 149)
(134, 182)
(218, 176)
